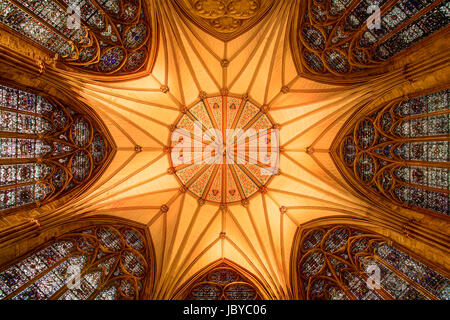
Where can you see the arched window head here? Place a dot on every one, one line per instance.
(225, 20)
(400, 152)
(222, 282)
(104, 262)
(93, 36)
(338, 262)
(341, 40)
(47, 151)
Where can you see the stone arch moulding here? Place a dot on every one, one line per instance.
(329, 261)
(224, 19)
(55, 142)
(115, 255)
(331, 41)
(109, 41)
(396, 153)
(222, 280)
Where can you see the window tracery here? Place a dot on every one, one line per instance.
(47, 149)
(223, 283)
(333, 264)
(400, 151)
(94, 36)
(340, 37)
(112, 262)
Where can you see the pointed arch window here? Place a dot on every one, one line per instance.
(400, 151)
(46, 149)
(222, 283)
(94, 36)
(333, 37)
(336, 262)
(103, 263)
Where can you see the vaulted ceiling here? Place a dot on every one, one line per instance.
(253, 59)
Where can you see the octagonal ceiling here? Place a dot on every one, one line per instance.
(140, 183)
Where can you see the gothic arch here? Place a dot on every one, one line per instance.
(50, 151)
(397, 152)
(332, 42)
(222, 280)
(115, 256)
(107, 40)
(330, 261)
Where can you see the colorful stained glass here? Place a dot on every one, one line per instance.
(334, 32)
(135, 36)
(135, 60)
(107, 294)
(80, 165)
(401, 276)
(222, 283)
(27, 115)
(416, 271)
(133, 239)
(98, 149)
(21, 196)
(81, 132)
(109, 239)
(313, 239)
(382, 153)
(206, 292)
(22, 173)
(336, 239)
(314, 62)
(111, 60)
(133, 264)
(51, 24)
(313, 37)
(49, 273)
(337, 61)
(429, 23)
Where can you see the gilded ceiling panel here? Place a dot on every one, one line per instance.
(225, 19)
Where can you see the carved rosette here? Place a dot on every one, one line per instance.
(225, 18)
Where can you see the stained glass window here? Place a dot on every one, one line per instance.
(101, 263)
(401, 151)
(46, 150)
(92, 35)
(338, 263)
(223, 283)
(333, 36)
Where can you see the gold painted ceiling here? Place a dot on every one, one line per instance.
(190, 226)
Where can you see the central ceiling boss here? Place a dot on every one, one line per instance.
(225, 149)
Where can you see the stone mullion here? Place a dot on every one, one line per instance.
(107, 279)
(343, 287)
(411, 20)
(41, 20)
(406, 279)
(37, 277)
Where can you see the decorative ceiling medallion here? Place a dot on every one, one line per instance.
(225, 19)
(224, 149)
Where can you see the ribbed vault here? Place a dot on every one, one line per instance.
(258, 235)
